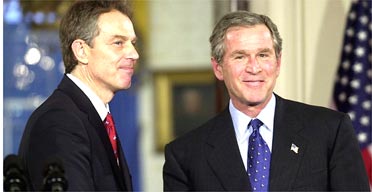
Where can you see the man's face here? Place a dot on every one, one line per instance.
(249, 66)
(112, 56)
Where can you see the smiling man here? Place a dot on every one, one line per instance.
(74, 125)
(261, 141)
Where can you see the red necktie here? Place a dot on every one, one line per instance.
(111, 131)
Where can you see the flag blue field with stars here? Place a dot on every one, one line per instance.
(353, 87)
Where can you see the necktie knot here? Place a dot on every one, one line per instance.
(109, 121)
(256, 124)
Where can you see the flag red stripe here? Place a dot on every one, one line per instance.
(367, 157)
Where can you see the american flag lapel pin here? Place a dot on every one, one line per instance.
(294, 148)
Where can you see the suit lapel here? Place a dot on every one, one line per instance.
(124, 168)
(83, 102)
(288, 147)
(224, 157)
(101, 131)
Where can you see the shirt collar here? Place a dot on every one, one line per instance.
(241, 120)
(267, 114)
(98, 104)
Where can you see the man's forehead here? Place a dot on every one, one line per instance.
(116, 26)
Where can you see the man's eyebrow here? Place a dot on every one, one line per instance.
(266, 50)
(243, 52)
(123, 37)
(238, 52)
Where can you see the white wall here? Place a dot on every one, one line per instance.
(312, 31)
(179, 34)
(325, 22)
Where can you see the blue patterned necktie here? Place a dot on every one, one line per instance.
(258, 158)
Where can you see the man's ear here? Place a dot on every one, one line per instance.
(79, 49)
(217, 69)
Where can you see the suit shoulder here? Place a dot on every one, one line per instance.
(314, 111)
(195, 137)
(56, 101)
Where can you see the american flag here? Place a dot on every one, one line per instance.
(353, 88)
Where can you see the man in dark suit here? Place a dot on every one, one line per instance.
(262, 142)
(97, 39)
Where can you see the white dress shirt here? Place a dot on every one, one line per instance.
(241, 121)
(98, 104)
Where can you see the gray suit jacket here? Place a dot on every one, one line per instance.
(67, 127)
(328, 158)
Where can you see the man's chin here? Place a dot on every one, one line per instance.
(255, 102)
(124, 86)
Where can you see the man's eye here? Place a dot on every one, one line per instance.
(239, 57)
(118, 43)
(263, 55)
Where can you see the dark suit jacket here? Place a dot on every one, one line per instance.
(328, 158)
(67, 127)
